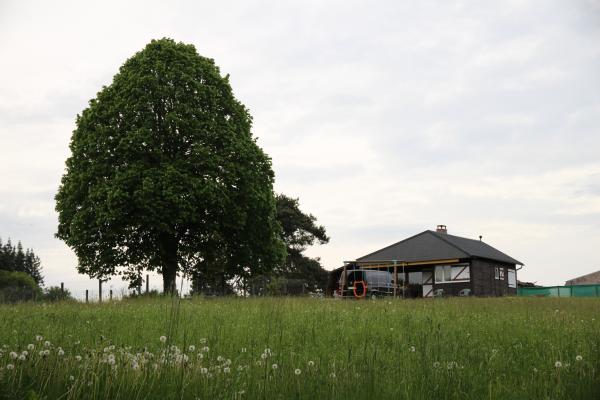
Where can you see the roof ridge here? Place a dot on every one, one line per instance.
(439, 236)
(391, 245)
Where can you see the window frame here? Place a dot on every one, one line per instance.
(514, 274)
(446, 270)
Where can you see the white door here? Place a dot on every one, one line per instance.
(427, 284)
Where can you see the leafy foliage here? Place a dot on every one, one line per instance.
(165, 175)
(300, 230)
(55, 293)
(13, 258)
(18, 286)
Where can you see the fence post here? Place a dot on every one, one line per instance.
(110, 294)
(99, 290)
(86, 296)
(62, 288)
(147, 283)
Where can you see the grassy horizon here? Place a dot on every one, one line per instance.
(268, 348)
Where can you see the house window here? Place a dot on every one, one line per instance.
(512, 278)
(452, 273)
(496, 273)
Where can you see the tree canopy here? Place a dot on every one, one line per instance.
(16, 259)
(165, 174)
(299, 231)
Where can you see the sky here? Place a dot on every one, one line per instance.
(384, 118)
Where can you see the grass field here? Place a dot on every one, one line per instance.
(277, 348)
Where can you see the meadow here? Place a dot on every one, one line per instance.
(302, 348)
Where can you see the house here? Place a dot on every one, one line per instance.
(431, 263)
(589, 279)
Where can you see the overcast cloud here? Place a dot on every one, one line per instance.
(385, 118)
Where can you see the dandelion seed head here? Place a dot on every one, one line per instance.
(192, 348)
(22, 357)
(163, 339)
(274, 366)
(578, 358)
(311, 363)
(39, 338)
(13, 355)
(203, 370)
(558, 364)
(297, 371)
(78, 358)
(61, 352)
(71, 378)
(436, 364)
(10, 366)
(205, 349)
(30, 347)
(47, 344)
(263, 356)
(226, 370)
(412, 349)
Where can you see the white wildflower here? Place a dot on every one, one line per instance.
(412, 349)
(203, 370)
(163, 339)
(13, 355)
(39, 338)
(22, 357)
(268, 351)
(263, 356)
(192, 348)
(61, 352)
(226, 370)
(78, 358)
(135, 365)
(558, 364)
(578, 358)
(47, 343)
(10, 366)
(25, 353)
(297, 371)
(220, 358)
(436, 364)
(205, 349)
(30, 347)
(274, 366)
(311, 363)
(200, 356)
(71, 378)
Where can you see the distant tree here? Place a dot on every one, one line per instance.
(300, 231)
(14, 259)
(164, 174)
(55, 293)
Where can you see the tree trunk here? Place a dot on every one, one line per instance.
(168, 246)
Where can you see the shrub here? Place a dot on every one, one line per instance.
(55, 293)
(18, 286)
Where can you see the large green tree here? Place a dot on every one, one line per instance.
(165, 174)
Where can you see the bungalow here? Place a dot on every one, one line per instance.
(432, 263)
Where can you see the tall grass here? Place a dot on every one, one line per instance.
(277, 348)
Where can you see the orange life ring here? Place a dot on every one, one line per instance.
(364, 293)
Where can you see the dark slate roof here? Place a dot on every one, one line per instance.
(430, 245)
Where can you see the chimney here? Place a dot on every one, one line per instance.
(441, 229)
